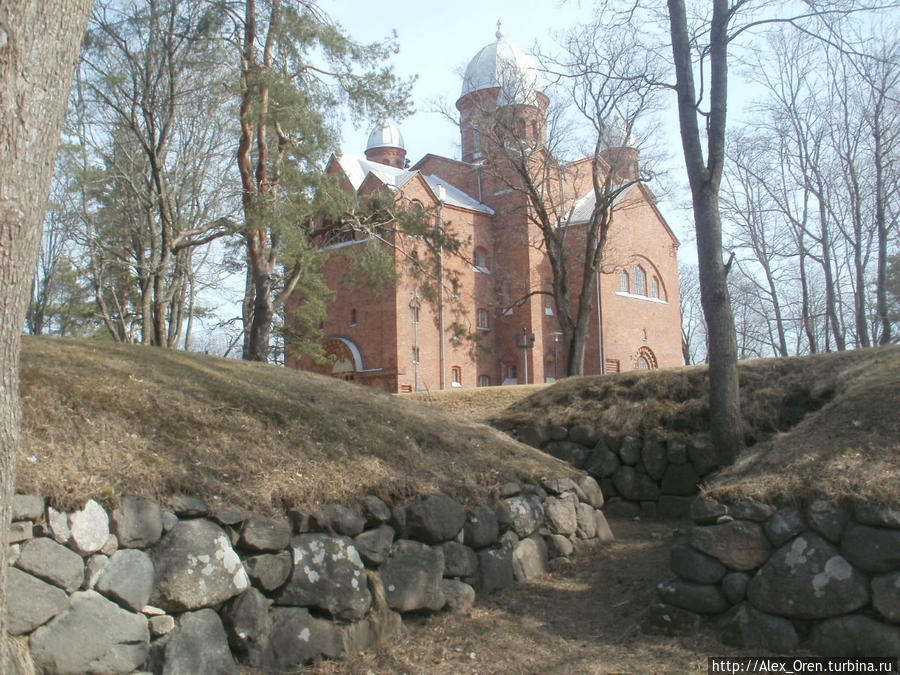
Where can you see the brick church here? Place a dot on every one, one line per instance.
(473, 332)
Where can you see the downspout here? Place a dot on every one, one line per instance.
(442, 195)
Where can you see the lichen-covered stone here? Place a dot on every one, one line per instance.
(526, 513)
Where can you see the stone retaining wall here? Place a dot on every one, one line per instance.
(825, 579)
(649, 476)
(197, 588)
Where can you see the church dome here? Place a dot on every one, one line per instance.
(385, 135)
(504, 65)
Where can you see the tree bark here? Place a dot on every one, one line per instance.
(38, 48)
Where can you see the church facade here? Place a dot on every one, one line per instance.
(492, 319)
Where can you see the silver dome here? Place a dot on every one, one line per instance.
(503, 64)
(385, 135)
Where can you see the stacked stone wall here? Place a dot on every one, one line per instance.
(200, 588)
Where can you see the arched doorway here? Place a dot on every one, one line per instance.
(345, 358)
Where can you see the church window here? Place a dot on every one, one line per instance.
(640, 281)
(646, 359)
(484, 380)
(641, 364)
(480, 259)
(456, 376)
(415, 313)
(624, 285)
(481, 319)
(353, 317)
(512, 372)
(654, 287)
(415, 355)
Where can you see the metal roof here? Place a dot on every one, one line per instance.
(503, 64)
(385, 135)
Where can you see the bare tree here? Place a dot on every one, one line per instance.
(37, 57)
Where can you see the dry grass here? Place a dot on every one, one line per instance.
(102, 420)
(476, 405)
(823, 426)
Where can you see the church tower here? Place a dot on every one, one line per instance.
(385, 146)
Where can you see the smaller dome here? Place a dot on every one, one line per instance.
(385, 135)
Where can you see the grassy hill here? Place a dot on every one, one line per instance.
(104, 419)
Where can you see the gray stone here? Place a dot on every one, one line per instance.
(412, 577)
(481, 528)
(529, 558)
(699, 598)
(609, 490)
(169, 520)
(648, 509)
(460, 596)
(328, 574)
(92, 635)
(877, 515)
(459, 560)
(198, 646)
(558, 546)
(740, 545)
(680, 479)
(20, 531)
(228, 514)
(495, 570)
(622, 508)
(246, 620)
(52, 562)
(561, 515)
(604, 533)
(13, 553)
(375, 545)
(886, 596)
(784, 525)
(584, 434)
(558, 486)
(692, 565)
(137, 522)
(707, 511)
(745, 627)
(655, 459)
(266, 535)
(603, 464)
(128, 579)
(672, 506)
(269, 571)
(27, 507)
(339, 519)
(31, 602)
(161, 625)
(703, 455)
(808, 579)
(111, 545)
(434, 520)
(526, 512)
(870, 549)
(827, 519)
(359, 636)
(634, 485)
(751, 509)
(375, 511)
(510, 489)
(593, 495)
(93, 569)
(532, 489)
(586, 521)
(58, 524)
(854, 635)
(676, 451)
(567, 451)
(533, 436)
(196, 567)
(88, 528)
(734, 586)
(185, 506)
(297, 639)
(630, 450)
(557, 432)
(665, 619)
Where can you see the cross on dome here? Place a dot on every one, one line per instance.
(500, 34)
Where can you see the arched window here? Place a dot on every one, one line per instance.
(654, 287)
(640, 281)
(481, 319)
(415, 355)
(624, 285)
(414, 310)
(484, 380)
(480, 260)
(641, 364)
(646, 359)
(456, 376)
(352, 317)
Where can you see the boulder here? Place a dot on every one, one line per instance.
(529, 558)
(269, 571)
(751, 509)
(593, 495)
(481, 528)
(228, 514)
(584, 434)
(561, 515)
(526, 513)
(111, 545)
(745, 627)
(495, 570)
(635, 486)
(734, 586)
(58, 525)
(854, 635)
(707, 511)
(510, 489)
(692, 565)
(375, 511)
(664, 619)
(739, 544)
(93, 569)
(604, 463)
(198, 646)
(137, 522)
(31, 602)
(27, 507)
(127, 578)
(88, 528)
(375, 545)
(533, 436)
(296, 639)
(655, 458)
(676, 451)
(680, 479)
(567, 451)
(196, 567)
(877, 515)
(339, 519)
(162, 624)
(604, 533)
(630, 450)
(460, 596)
(329, 575)
(703, 455)
(871, 549)
(828, 520)
(886, 596)
(459, 560)
(266, 535)
(246, 620)
(557, 432)
(808, 579)
(169, 520)
(91, 635)
(434, 520)
(586, 521)
(185, 506)
(558, 486)
(784, 525)
(622, 508)
(699, 598)
(412, 577)
(558, 546)
(52, 562)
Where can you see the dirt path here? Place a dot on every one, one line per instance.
(583, 617)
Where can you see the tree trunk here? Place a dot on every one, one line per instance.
(38, 47)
